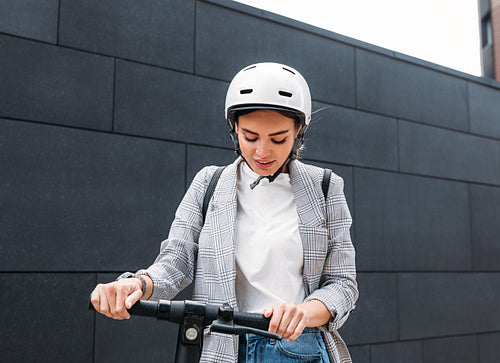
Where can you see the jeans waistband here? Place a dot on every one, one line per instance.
(249, 337)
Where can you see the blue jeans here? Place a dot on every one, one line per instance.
(307, 348)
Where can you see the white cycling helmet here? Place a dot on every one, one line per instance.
(271, 86)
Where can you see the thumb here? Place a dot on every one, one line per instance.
(133, 298)
(268, 312)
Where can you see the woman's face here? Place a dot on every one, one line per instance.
(266, 138)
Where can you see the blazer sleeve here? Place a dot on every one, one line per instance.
(173, 269)
(338, 287)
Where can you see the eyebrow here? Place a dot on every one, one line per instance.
(273, 134)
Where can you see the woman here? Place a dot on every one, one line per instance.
(270, 242)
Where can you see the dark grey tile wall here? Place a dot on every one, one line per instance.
(484, 110)
(159, 32)
(375, 318)
(346, 136)
(201, 156)
(489, 347)
(227, 40)
(408, 352)
(170, 105)
(30, 18)
(456, 349)
(108, 110)
(45, 317)
(360, 354)
(70, 197)
(445, 304)
(447, 154)
(406, 222)
(485, 214)
(396, 88)
(55, 84)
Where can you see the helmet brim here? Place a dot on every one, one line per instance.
(235, 111)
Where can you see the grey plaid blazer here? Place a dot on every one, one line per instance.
(204, 253)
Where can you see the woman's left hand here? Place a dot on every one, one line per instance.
(287, 320)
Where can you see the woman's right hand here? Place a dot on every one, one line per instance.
(114, 298)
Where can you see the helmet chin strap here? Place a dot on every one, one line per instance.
(270, 177)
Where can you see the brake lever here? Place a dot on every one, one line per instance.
(226, 328)
(225, 324)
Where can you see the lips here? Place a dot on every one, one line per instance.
(264, 164)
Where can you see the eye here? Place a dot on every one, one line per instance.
(249, 139)
(279, 141)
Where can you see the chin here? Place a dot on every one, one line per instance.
(263, 171)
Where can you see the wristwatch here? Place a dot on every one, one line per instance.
(127, 275)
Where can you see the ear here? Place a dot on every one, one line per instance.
(298, 130)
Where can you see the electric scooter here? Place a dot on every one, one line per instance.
(193, 317)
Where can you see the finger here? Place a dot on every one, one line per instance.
(120, 308)
(290, 328)
(296, 325)
(288, 314)
(101, 305)
(268, 312)
(95, 299)
(133, 298)
(298, 330)
(275, 321)
(110, 293)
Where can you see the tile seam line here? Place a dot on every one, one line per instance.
(156, 66)
(368, 47)
(398, 117)
(76, 128)
(424, 339)
(363, 167)
(343, 42)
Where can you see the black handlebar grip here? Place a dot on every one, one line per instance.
(142, 308)
(253, 320)
(145, 308)
(161, 310)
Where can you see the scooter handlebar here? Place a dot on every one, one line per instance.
(172, 310)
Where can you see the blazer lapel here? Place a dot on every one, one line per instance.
(223, 223)
(308, 196)
(312, 224)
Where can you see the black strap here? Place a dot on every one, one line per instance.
(210, 190)
(325, 184)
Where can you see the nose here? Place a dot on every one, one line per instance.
(263, 149)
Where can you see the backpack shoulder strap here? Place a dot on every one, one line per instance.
(210, 189)
(325, 184)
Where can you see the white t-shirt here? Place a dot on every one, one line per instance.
(268, 247)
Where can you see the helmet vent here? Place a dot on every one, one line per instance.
(285, 94)
(246, 91)
(289, 70)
